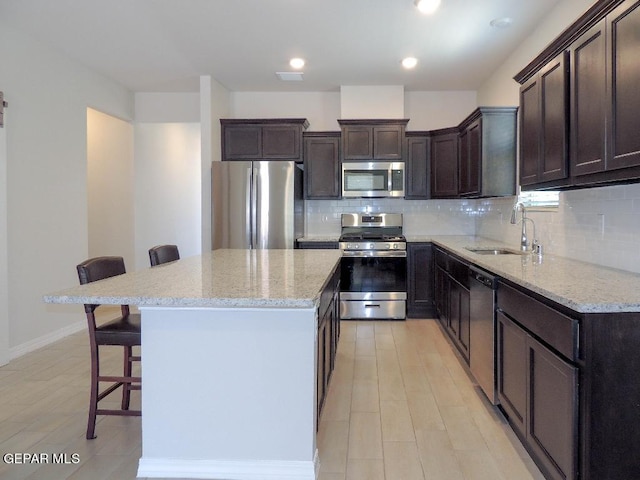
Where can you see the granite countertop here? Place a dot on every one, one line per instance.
(221, 278)
(581, 286)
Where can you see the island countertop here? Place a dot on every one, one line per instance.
(220, 278)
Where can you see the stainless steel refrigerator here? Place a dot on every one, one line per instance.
(256, 204)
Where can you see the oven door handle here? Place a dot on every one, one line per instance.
(375, 253)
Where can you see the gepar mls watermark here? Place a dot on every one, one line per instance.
(27, 458)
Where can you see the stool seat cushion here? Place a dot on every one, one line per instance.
(121, 331)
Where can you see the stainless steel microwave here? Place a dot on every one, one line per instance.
(373, 179)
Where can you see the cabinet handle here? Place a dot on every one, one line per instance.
(372, 305)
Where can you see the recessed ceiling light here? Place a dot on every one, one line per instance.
(409, 62)
(427, 6)
(503, 22)
(290, 76)
(296, 63)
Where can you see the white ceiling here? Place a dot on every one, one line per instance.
(165, 45)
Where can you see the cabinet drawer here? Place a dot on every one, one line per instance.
(549, 325)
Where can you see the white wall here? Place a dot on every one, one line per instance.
(4, 284)
(167, 193)
(110, 187)
(321, 109)
(215, 103)
(501, 89)
(46, 210)
(372, 101)
(434, 110)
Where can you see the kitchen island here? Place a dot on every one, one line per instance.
(229, 360)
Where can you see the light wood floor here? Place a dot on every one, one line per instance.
(400, 407)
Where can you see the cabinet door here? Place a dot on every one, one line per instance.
(320, 367)
(552, 411)
(623, 25)
(322, 167)
(387, 142)
(417, 168)
(357, 142)
(543, 127)
(530, 132)
(470, 159)
(281, 142)
(420, 280)
(242, 142)
(459, 316)
(553, 117)
(588, 102)
(512, 371)
(444, 165)
(442, 295)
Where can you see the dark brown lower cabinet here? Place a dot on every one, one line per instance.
(328, 335)
(420, 291)
(459, 316)
(538, 391)
(452, 299)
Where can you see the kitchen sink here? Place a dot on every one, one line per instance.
(494, 251)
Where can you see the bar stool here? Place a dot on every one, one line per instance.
(123, 331)
(163, 254)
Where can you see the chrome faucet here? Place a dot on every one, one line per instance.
(525, 244)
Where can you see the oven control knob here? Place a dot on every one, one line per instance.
(370, 246)
(395, 246)
(388, 245)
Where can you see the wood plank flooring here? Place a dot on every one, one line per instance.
(400, 407)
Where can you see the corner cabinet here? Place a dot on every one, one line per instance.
(417, 166)
(444, 163)
(322, 165)
(373, 139)
(487, 153)
(263, 139)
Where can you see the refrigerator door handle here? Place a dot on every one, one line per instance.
(255, 205)
(249, 210)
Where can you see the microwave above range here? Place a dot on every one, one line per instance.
(372, 179)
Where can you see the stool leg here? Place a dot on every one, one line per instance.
(126, 387)
(93, 401)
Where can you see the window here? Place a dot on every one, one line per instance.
(543, 201)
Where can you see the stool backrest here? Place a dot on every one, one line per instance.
(163, 254)
(99, 268)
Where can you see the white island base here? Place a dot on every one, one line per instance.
(229, 393)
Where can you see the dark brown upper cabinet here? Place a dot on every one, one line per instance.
(417, 166)
(487, 153)
(322, 165)
(263, 139)
(544, 124)
(602, 120)
(373, 139)
(623, 27)
(588, 101)
(444, 163)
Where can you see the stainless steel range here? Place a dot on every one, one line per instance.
(373, 283)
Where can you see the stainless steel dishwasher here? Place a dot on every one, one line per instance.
(482, 348)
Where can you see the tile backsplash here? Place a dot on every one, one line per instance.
(597, 225)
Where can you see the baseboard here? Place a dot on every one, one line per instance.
(229, 470)
(43, 341)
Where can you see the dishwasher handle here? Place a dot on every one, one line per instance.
(487, 280)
